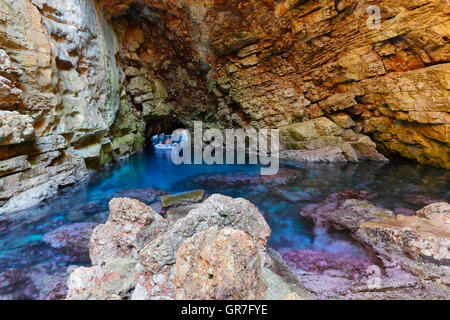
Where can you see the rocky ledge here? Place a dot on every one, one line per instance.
(218, 250)
(409, 255)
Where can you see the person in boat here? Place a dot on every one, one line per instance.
(168, 142)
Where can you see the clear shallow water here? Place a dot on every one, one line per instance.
(34, 263)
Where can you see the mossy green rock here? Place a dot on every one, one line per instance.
(182, 198)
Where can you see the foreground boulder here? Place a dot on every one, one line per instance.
(219, 265)
(157, 259)
(130, 226)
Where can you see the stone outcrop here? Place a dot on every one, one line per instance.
(438, 212)
(322, 140)
(412, 251)
(130, 226)
(29, 187)
(419, 244)
(219, 265)
(346, 210)
(157, 259)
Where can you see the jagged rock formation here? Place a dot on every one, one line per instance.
(219, 265)
(217, 251)
(81, 80)
(157, 259)
(131, 224)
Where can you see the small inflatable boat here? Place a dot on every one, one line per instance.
(164, 147)
(159, 141)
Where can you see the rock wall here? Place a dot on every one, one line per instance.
(60, 98)
(81, 80)
(276, 63)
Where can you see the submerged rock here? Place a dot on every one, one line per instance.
(130, 226)
(351, 194)
(219, 265)
(239, 179)
(35, 283)
(345, 210)
(73, 239)
(345, 266)
(420, 199)
(322, 140)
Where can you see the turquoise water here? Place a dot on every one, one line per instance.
(397, 185)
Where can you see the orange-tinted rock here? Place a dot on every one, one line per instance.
(130, 226)
(219, 265)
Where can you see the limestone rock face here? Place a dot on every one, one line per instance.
(322, 140)
(29, 187)
(130, 226)
(60, 87)
(219, 265)
(15, 128)
(276, 63)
